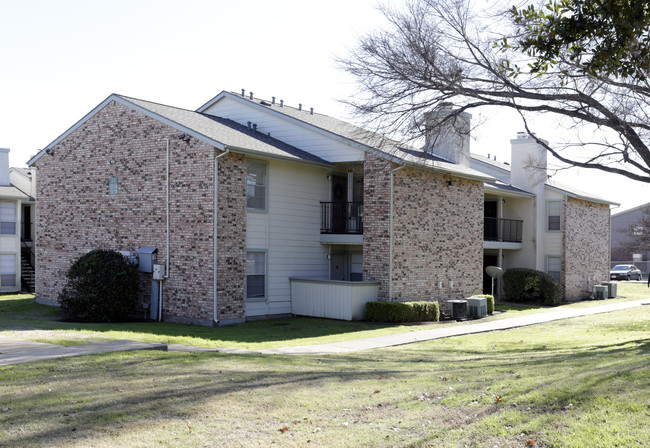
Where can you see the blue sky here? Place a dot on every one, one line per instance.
(62, 58)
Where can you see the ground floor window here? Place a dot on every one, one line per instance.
(554, 267)
(8, 270)
(255, 274)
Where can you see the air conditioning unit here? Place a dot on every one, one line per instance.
(458, 308)
(600, 292)
(477, 307)
(612, 289)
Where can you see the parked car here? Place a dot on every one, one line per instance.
(625, 272)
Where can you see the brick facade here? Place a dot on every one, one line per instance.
(75, 212)
(376, 221)
(437, 233)
(585, 246)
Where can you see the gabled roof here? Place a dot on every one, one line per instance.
(11, 192)
(501, 188)
(633, 209)
(550, 183)
(218, 132)
(576, 193)
(354, 135)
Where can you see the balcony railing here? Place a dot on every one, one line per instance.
(504, 230)
(341, 217)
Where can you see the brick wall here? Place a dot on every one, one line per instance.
(437, 233)
(585, 242)
(438, 236)
(75, 212)
(376, 221)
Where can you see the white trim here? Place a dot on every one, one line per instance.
(561, 265)
(265, 209)
(266, 277)
(548, 215)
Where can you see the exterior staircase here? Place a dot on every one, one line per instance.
(27, 273)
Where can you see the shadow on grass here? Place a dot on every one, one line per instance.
(23, 314)
(92, 396)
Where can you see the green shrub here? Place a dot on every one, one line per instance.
(490, 302)
(531, 286)
(102, 287)
(402, 311)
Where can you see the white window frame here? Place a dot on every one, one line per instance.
(264, 185)
(14, 274)
(14, 219)
(265, 258)
(548, 259)
(548, 216)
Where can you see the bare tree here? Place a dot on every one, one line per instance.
(436, 52)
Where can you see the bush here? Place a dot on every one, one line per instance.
(531, 286)
(490, 302)
(102, 287)
(402, 311)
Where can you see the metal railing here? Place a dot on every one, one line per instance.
(504, 230)
(341, 217)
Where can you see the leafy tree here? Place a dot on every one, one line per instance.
(555, 60)
(608, 37)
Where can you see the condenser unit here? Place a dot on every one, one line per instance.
(458, 308)
(600, 292)
(477, 307)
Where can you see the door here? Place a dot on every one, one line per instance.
(338, 268)
(489, 260)
(490, 221)
(339, 203)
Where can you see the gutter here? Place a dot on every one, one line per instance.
(215, 228)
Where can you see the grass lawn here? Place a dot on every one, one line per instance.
(22, 318)
(582, 382)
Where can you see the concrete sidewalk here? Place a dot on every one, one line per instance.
(13, 351)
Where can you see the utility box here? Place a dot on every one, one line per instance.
(158, 271)
(147, 257)
(612, 289)
(477, 307)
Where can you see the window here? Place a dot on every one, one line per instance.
(256, 185)
(255, 275)
(8, 270)
(112, 185)
(7, 218)
(554, 267)
(638, 230)
(554, 213)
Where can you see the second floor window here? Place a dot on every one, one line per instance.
(554, 215)
(7, 218)
(256, 185)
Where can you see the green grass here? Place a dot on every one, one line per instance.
(582, 382)
(22, 318)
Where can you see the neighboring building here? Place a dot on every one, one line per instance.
(16, 227)
(257, 209)
(630, 237)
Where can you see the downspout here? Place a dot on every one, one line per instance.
(390, 237)
(215, 228)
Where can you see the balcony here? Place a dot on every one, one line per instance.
(507, 231)
(341, 222)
